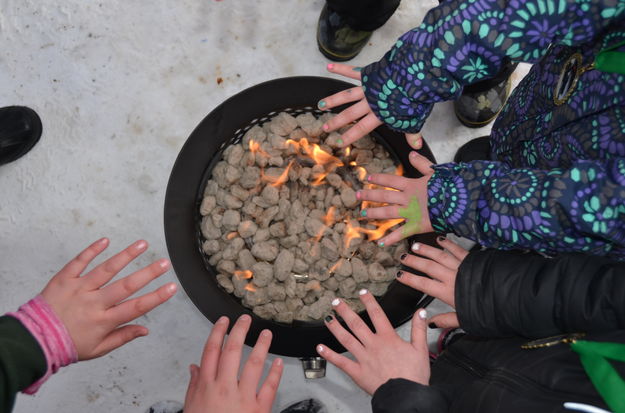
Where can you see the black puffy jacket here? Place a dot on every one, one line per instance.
(503, 300)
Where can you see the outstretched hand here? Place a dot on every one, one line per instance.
(215, 385)
(381, 355)
(442, 267)
(408, 199)
(94, 313)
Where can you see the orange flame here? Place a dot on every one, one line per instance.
(351, 232)
(243, 275)
(362, 173)
(382, 227)
(255, 148)
(328, 220)
(335, 266)
(347, 152)
(250, 287)
(277, 181)
(231, 235)
(399, 170)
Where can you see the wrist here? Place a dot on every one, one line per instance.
(50, 332)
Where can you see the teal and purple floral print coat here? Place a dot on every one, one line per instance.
(556, 181)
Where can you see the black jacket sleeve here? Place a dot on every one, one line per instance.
(22, 361)
(504, 293)
(405, 396)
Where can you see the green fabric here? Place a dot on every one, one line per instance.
(22, 361)
(610, 61)
(594, 357)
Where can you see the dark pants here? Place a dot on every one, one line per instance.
(364, 14)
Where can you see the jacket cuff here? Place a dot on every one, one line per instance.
(389, 102)
(405, 396)
(444, 197)
(50, 332)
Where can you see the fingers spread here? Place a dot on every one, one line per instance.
(253, 369)
(104, 272)
(430, 287)
(194, 371)
(118, 338)
(395, 236)
(341, 98)
(347, 116)
(212, 349)
(352, 72)
(344, 337)
(418, 335)
(390, 181)
(231, 354)
(131, 309)
(268, 390)
(348, 366)
(76, 266)
(383, 195)
(360, 129)
(127, 286)
(421, 163)
(376, 314)
(446, 320)
(454, 249)
(430, 267)
(353, 321)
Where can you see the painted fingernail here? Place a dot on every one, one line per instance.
(441, 239)
(325, 126)
(164, 263)
(415, 247)
(320, 348)
(414, 143)
(399, 274)
(358, 195)
(336, 302)
(363, 213)
(329, 318)
(363, 291)
(369, 178)
(423, 314)
(432, 325)
(330, 66)
(380, 244)
(339, 141)
(403, 257)
(357, 69)
(172, 288)
(413, 154)
(141, 245)
(321, 104)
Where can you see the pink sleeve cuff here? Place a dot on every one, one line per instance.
(53, 338)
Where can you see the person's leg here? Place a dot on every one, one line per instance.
(345, 26)
(20, 130)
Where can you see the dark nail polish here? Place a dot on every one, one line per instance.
(403, 256)
(329, 318)
(399, 274)
(441, 238)
(432, 325)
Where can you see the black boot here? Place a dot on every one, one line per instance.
(481, 102)
(167, 406)
(337, 41)
(20, 130)
(477, 149)
(306, 406)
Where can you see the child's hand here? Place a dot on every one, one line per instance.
(442, 266)
(366, 121)
(381, 355)
(215, 385)
(92, 312)
(408, 200)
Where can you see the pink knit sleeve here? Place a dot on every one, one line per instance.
(53, 338)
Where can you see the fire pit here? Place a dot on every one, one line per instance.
(224, 128)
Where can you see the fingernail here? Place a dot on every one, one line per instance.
(245, 318)
(423, 314)
(141, 245)
(103, 241)
(413, 154)
(339, 141)
(171, 288)
(279, 362)
(432, 325)
(363, 213)
(358, 195)
(329, 318)
(330, 66)
(399, 274)
(325, 126)
(335, 302)
(321, 104)
(415, 247)
(164, 263)
(363, 291)
(403, 257)
(265, 333)
(380, 244)
(441, 239)
(369, 178)
(320, 348)
(357, 69)
(222, 320)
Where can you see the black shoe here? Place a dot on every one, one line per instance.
(477, 149)
(306, 406)
(20, 130)
(337, 41)
(481, 102)
(167, 406)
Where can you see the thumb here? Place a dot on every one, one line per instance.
(415, 140)
(194, 370)
(446, 320)
(117, 338)
(421, 163)
(419, 335)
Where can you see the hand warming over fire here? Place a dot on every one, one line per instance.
(442, 267)
(216, 386)
(381, 355)
(359, 112)
(406, 199)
